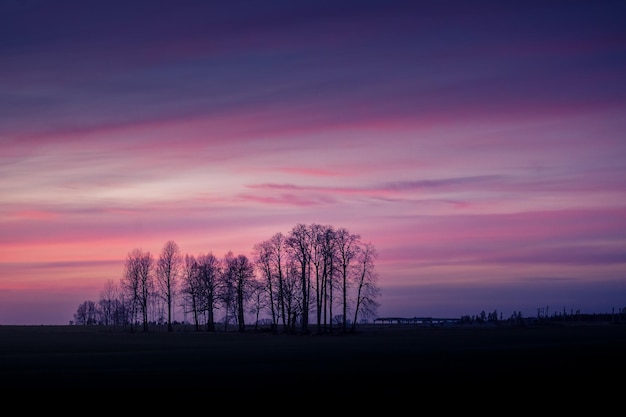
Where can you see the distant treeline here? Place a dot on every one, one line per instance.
(542, 316)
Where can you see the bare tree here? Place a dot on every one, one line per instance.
(347, 249)
(156, 305)
(316, 250)
(329, 248)
(86, 313)
(226, 288)
(191, 288)
(365, 280)
(107, 303)
(279, 256)
(209, 271)
(299, 241)
(235, 286)
(130, 284)
(259, 300)
(263, 261)
(291, 294)
(322, 250)
(146, 285)
(269, 258)
(122, 307)
(167, 270)
(243, 278)
(138, 283)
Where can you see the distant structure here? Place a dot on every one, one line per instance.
(430, 321)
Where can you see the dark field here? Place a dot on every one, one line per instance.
(377, 360)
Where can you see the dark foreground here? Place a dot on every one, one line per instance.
(378, 360)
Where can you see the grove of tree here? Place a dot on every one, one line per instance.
(290, 283)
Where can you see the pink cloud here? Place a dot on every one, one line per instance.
(586, 236)
(312, 172)
(386, 190)
(285, 199)
(32, 215)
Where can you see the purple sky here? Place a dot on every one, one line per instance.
(479, 146)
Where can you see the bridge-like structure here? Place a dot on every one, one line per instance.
(430, 321)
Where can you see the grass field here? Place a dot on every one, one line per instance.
(378, 359)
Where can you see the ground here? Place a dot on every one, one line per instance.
(376, 359)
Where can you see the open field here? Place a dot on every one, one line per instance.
(377, 359)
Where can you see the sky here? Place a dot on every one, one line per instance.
(480, 146)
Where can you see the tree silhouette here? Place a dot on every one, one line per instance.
(191, 289)
(299, 242)
(347, 249)
(243, 276)
(138, 282)
(167, 271)
(208, 269)
(289, 277)
(366, 285)
(86, 313)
